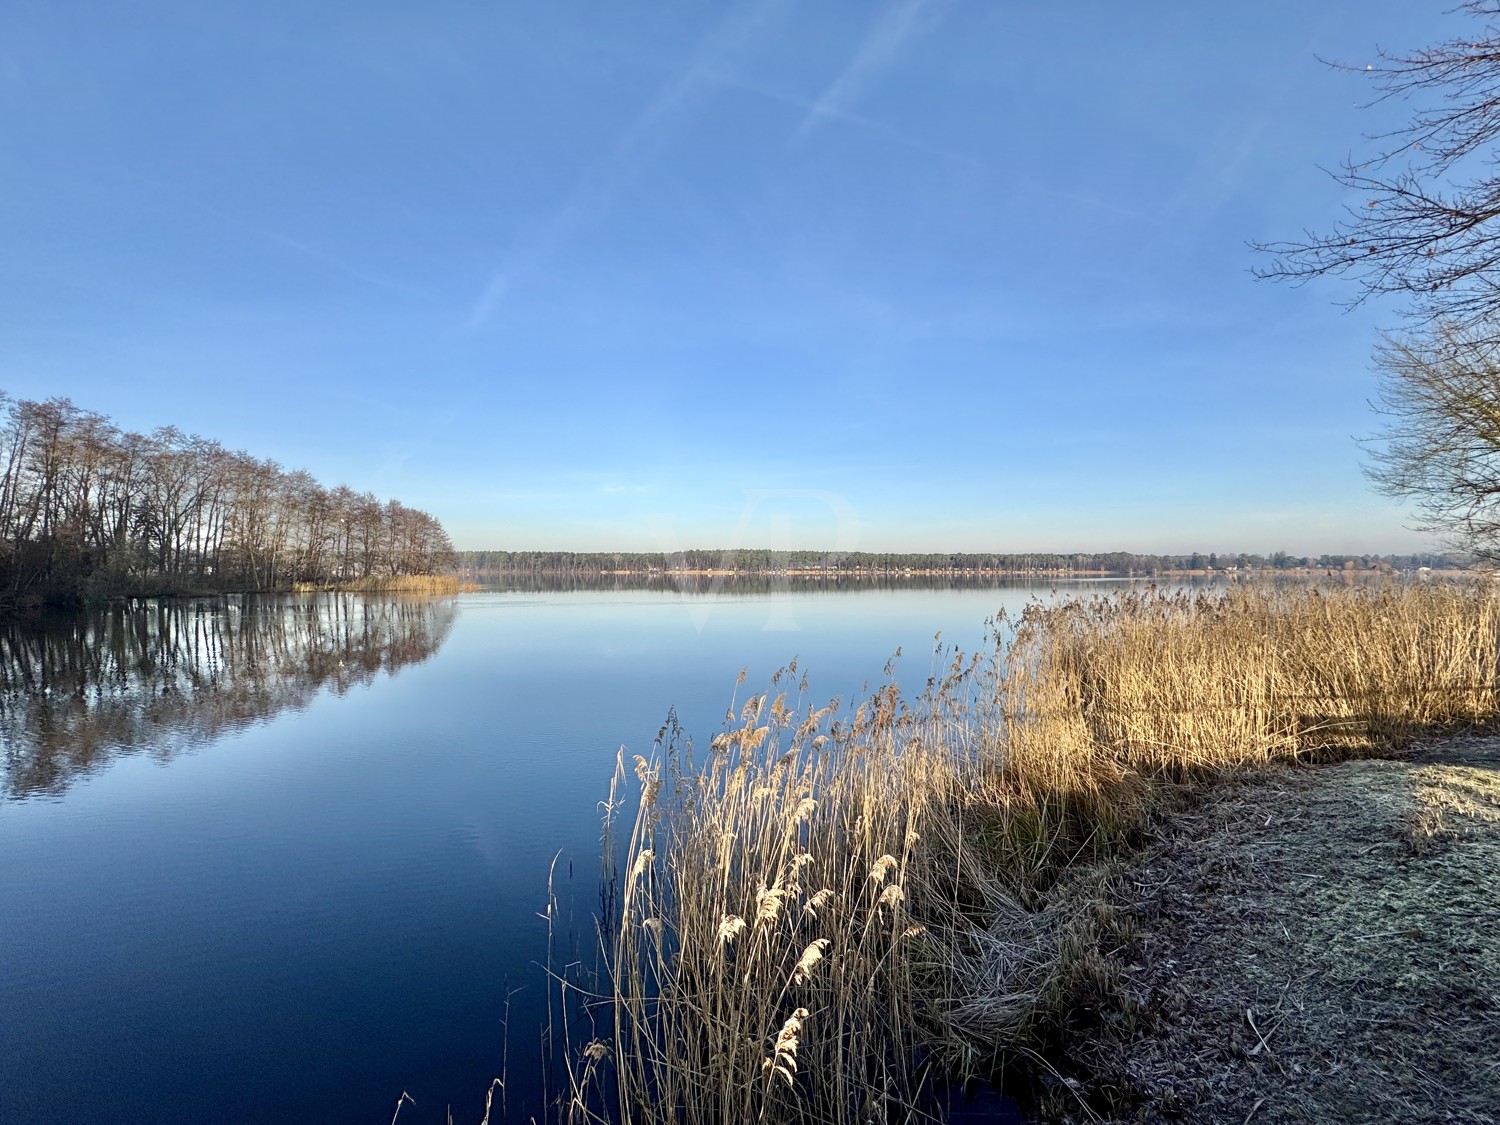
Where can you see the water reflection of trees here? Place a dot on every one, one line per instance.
(775, 584)
(159, 677)
(731, 584)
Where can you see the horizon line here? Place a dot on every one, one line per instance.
(1434, 550)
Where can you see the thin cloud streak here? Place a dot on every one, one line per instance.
(901, 22)
(643, 139)
(389, 284)
(873, 124)
(168, 190)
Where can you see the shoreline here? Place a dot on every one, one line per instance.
(27, 604)
(961, 572)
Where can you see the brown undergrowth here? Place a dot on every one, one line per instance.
(831, 912)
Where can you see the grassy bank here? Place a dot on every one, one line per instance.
(833, 911)
(102, 593)
(397, 584)
(1309, 945)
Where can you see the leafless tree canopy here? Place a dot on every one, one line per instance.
(87, 509)
(1425, 226)
(1441, 392)
(1427, 229)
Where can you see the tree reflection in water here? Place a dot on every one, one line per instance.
(160, 677)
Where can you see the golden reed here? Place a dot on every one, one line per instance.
(832, 910)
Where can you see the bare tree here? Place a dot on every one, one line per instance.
(1426, 228)
(1426, 225)
(1441, 392)
(87, 510)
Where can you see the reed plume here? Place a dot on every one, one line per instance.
(834, 909)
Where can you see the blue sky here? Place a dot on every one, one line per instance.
(908, 275)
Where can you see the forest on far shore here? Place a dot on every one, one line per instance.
(90, 511)
(477, 564)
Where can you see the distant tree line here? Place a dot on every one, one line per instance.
(90, 510)
(759, 560)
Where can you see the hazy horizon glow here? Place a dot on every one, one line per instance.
(922, 275)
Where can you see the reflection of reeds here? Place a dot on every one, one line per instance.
(830, 905)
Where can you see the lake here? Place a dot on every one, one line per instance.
(282, 858)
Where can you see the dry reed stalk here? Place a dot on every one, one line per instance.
(391, 584)
(829, 905)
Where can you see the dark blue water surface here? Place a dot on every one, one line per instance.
(282, 859)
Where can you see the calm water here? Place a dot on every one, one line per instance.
(281, 860)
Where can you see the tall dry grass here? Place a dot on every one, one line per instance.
(765, 916)
(388, 584)
(832, 909)
(1099, 698)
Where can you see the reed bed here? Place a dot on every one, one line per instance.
(834, 912)
(388, 584)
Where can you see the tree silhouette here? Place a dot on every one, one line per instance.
(1425, 226)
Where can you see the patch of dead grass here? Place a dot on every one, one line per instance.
(1453, 802)
(1299, 960)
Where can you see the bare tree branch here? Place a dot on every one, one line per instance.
(1425, 228)
(1441, 448)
